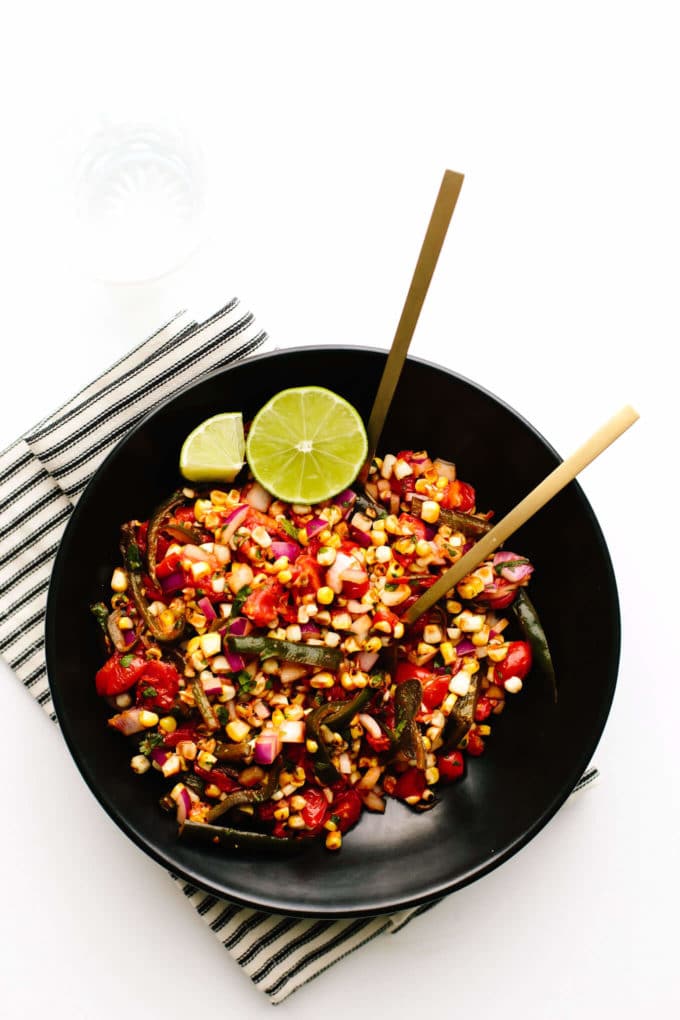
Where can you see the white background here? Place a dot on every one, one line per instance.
(324, 130)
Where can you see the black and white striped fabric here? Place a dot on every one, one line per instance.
(41, 477)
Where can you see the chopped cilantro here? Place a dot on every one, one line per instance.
(244, 680)
(150, 692)
(239, 599)
(133, 557)
(399, 728)
(377, 680)
(335, 819)
(391, 586)
(222, 715)
(152, 740)
(289, 528)
(269, 685)
(126, 661)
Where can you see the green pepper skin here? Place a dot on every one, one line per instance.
(335, 715)
(470, 525)
(133, 562)
(407, 700)
(530, 624)
(155, 524)
(288, 651)
(236, 839)
(203, 705)
(462, 716)
(240, 797)
(101, 615)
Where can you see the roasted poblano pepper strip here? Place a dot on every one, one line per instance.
(469, 524)
(407, 737)
(237, 839)
(233, 752)
(203, 705)
(528, 619)
(462, 715)
(155, 524)
(288, 651)
(251, 796)
(336, 715)
(101, 615)
(133, 562)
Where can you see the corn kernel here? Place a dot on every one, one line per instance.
(296, 822)
(282, 813)
(329, 825)
(325, 595)
(119, 580)
(483, 730)
(430, 511)
(513, 685)
(148, 719)
(448, 652)
(125, 623)
(237, 730)
(168, 724)
(361, 679)
(423, 548)
(201, 508)
(387, 465)
(140, 764)
(311, 745)
(470, 587)
(172, 765)
(442, 482)
(193, 645)
(206, 760)
(481, 637)
(211, 644)
(298, 802)
(326, 556)
(277, 717)
(200, 569)
(261, 536)
(402, 469)
(497, 653)
(294, 712)
(432, 775)
(379, 539)
(392, 525)
(347, 681)
(470, 665)
(399, 630)
(460, 684)
(448, 703)
(334, 840)
(432, 633)
(412, 800)
(341, 621)
(284, 576)
(334, 541)
(425, 649)
(212, 791)
(453, 607)
(322, 681)
(293, 633)
(374, 644)
(331, 640)
(470, 622)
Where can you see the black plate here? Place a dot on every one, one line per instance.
(537, 751)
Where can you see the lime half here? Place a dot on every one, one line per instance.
(215, 449)
(306, 445)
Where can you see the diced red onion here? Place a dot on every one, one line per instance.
(212, 685)
(289, 549)
(240, 626)
(183, 802)
(314, 526)
(127, 722)
(361, 521)
(292, 731)
(515, 574)
(361, 538)
(310, 630)
(361, 625)
(345, 500)
(465, 647)
(258, 497)
(233, 520)
(267, 748)
(430, 531)
(333, 578)
(369, 778)
(173, 582)
(445, 468)
(196, 554)
(345, 764)
(129, 637)
(370, 725)
(261, 710)
(236, 661)
(159, 756)
(367, 660)
(206, 607)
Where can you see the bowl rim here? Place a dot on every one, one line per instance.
(437, 890)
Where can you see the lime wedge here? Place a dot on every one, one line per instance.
(214, 451)
(306, 445)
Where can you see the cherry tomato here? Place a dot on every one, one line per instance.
(255, 518)
(385, 616)
(410, 784)
(355, 589)
(417, 527)
(184, 515)
(484, 708)
(169, 565)
(120, 673)
(379, 744)
(516, 663)
(346, 809)
(315, 812)
(308, 575)
(451, 765)
(407, 671)
(459, 496)
(154, 593)
(261, 606)
(163, 678)
(435, 690)
(475, 744)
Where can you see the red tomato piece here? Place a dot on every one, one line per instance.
(346, 809)
(516, 663)
(187, 732)
(410, 784)
(184, 515)
(308, 575)
(119, 674)
(417, 527)
(355, 589)
(219, 779)
(435, 690)
(475, 744)
(484, 708)
(163, 678)
(459, 496)
(451, 765)
(379, 744)
(408, 671)
(169, 565)
(315, 812)
(261, 606)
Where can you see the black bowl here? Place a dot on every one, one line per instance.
(537, 750)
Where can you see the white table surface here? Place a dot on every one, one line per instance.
(324, 133)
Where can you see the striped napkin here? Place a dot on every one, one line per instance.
(41, 477)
